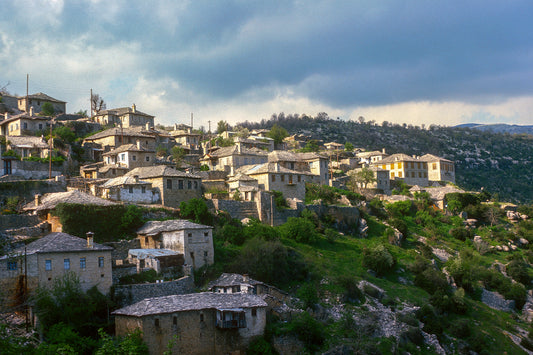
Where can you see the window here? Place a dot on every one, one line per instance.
(282, 178)
(412, 174)
(206, 234)
(134, 157)
(82, 263)
(189, 184)
(190, 235)
(254, 312)
(175, 320)
(299, 178)
(400, 174)
(156, 322)
(206, 254)
(48, 265)
(131, 189)
(100, 261)
(12, 265)
(392, 174)
(147, 158)
(201, 317)
(169, 184)
(273, 178)
(434, 166)
(143, 189)
(66, 264)
(195, 185)
(25, 125)
(180, 184)
(290, 179)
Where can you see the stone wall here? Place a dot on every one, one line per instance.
(121, 248)
(27, 189)
(17, 221)
(130, 294)
(36, 170)
(236, 209)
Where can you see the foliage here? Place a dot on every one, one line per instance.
(108, 223)
(270, 262)
(10, 153)
(10, 206)
(14, 345)
(299, 229)
(378, 259)
(518, 269)
(222, 126)
(351, 292)
(279, 200)
(177, 155)
(308, 295)
(401, 189)
(196, 210)
(131, 344)
(308, 330)
(82, 113)
(65, 133)
(47, 109)
(458, 201)
(328, 195)
(65, 340)
(161, 151)
(66, 303)
(311, 146)
(348, 147)
(259, 346)
(97, 103)
(278, 134)
(362, 177)
(204, 167)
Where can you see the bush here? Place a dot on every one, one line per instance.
(279, 200)
(259, 346)
(331, 235)
(299, 229)
(378, 259)
(351, 293)
(460, 233)
(308, 294)
(432, 280)
(460, 328)
(308, 330)
(196, 210)
(518, 270)
(432, 322)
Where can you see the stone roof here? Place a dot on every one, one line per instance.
(397, 157)
(431, 158)
(24, 116)
(121, 111)
(284, 155)
(371, 154)
(156, 227)
(128, 148)
(241, 177)
(234, 150)
(58, 242)
(27, 142)
(129, 132)
(106, 167)
(151, 253)
(191, 302)
(51, 200)
(124, 180)
(270, 168)
(227, 280)
(159, 171)
(41, 96)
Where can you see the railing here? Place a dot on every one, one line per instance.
(231, 324)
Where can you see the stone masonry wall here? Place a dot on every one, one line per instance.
(16, 221)
(236, 209)
(130, 294)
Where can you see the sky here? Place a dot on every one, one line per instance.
(417, 62)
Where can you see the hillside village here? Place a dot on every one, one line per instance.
(53, 163)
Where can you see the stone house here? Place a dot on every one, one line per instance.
(313, 163)
(274, 177)
(194, 241)
(28, 146)
(130, 155)
(410, 170)
(439, 169)
(247, 186)
(54, 255)
(198, 323)
(155, 259)
(101, 170)
(124, 116)
(186, 138)
(229, 159)
(36, 101)
(44, 205)
(334, 146)
(173, 186)
(382, 179)
(129, 189)
(112, 138)
(263, 143)
(372, 157)
(23, 124)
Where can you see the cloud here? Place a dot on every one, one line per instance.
(251, 59)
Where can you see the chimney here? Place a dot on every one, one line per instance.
(147, 126)
(383, 151)
(239, 148)
(136, 177)
(6, 115)
(90, 240)
(138, 144)
(134, 108)
(37, 200)
(31, 110)
(245, 278)
(276, 167)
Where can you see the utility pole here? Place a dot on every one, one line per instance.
(26, 289)
(191, 122)
(27, 94)
(50, 141)
(91, 101)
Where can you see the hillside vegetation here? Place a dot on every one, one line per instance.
(500, 163)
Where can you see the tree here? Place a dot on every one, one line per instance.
(348, 147)
(47, 109)
(243, 132)
(82, 113)
(311, 146)
(97, 104)
(177, 155)
(222, 126)
(277, 133)
(362, 178)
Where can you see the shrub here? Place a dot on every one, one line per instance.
(196, 210)
(308, 294)
(412, 335)
(279, 200)
(259, 346)
(378, 259)
(308, 330)
(331, 235)
(299, 229)
(432, 322)
(256, 229)
(351, 293)
(432, 280)
(460, 233)
(460, 328)
(518, 270)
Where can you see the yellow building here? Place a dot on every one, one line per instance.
(403, 167)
